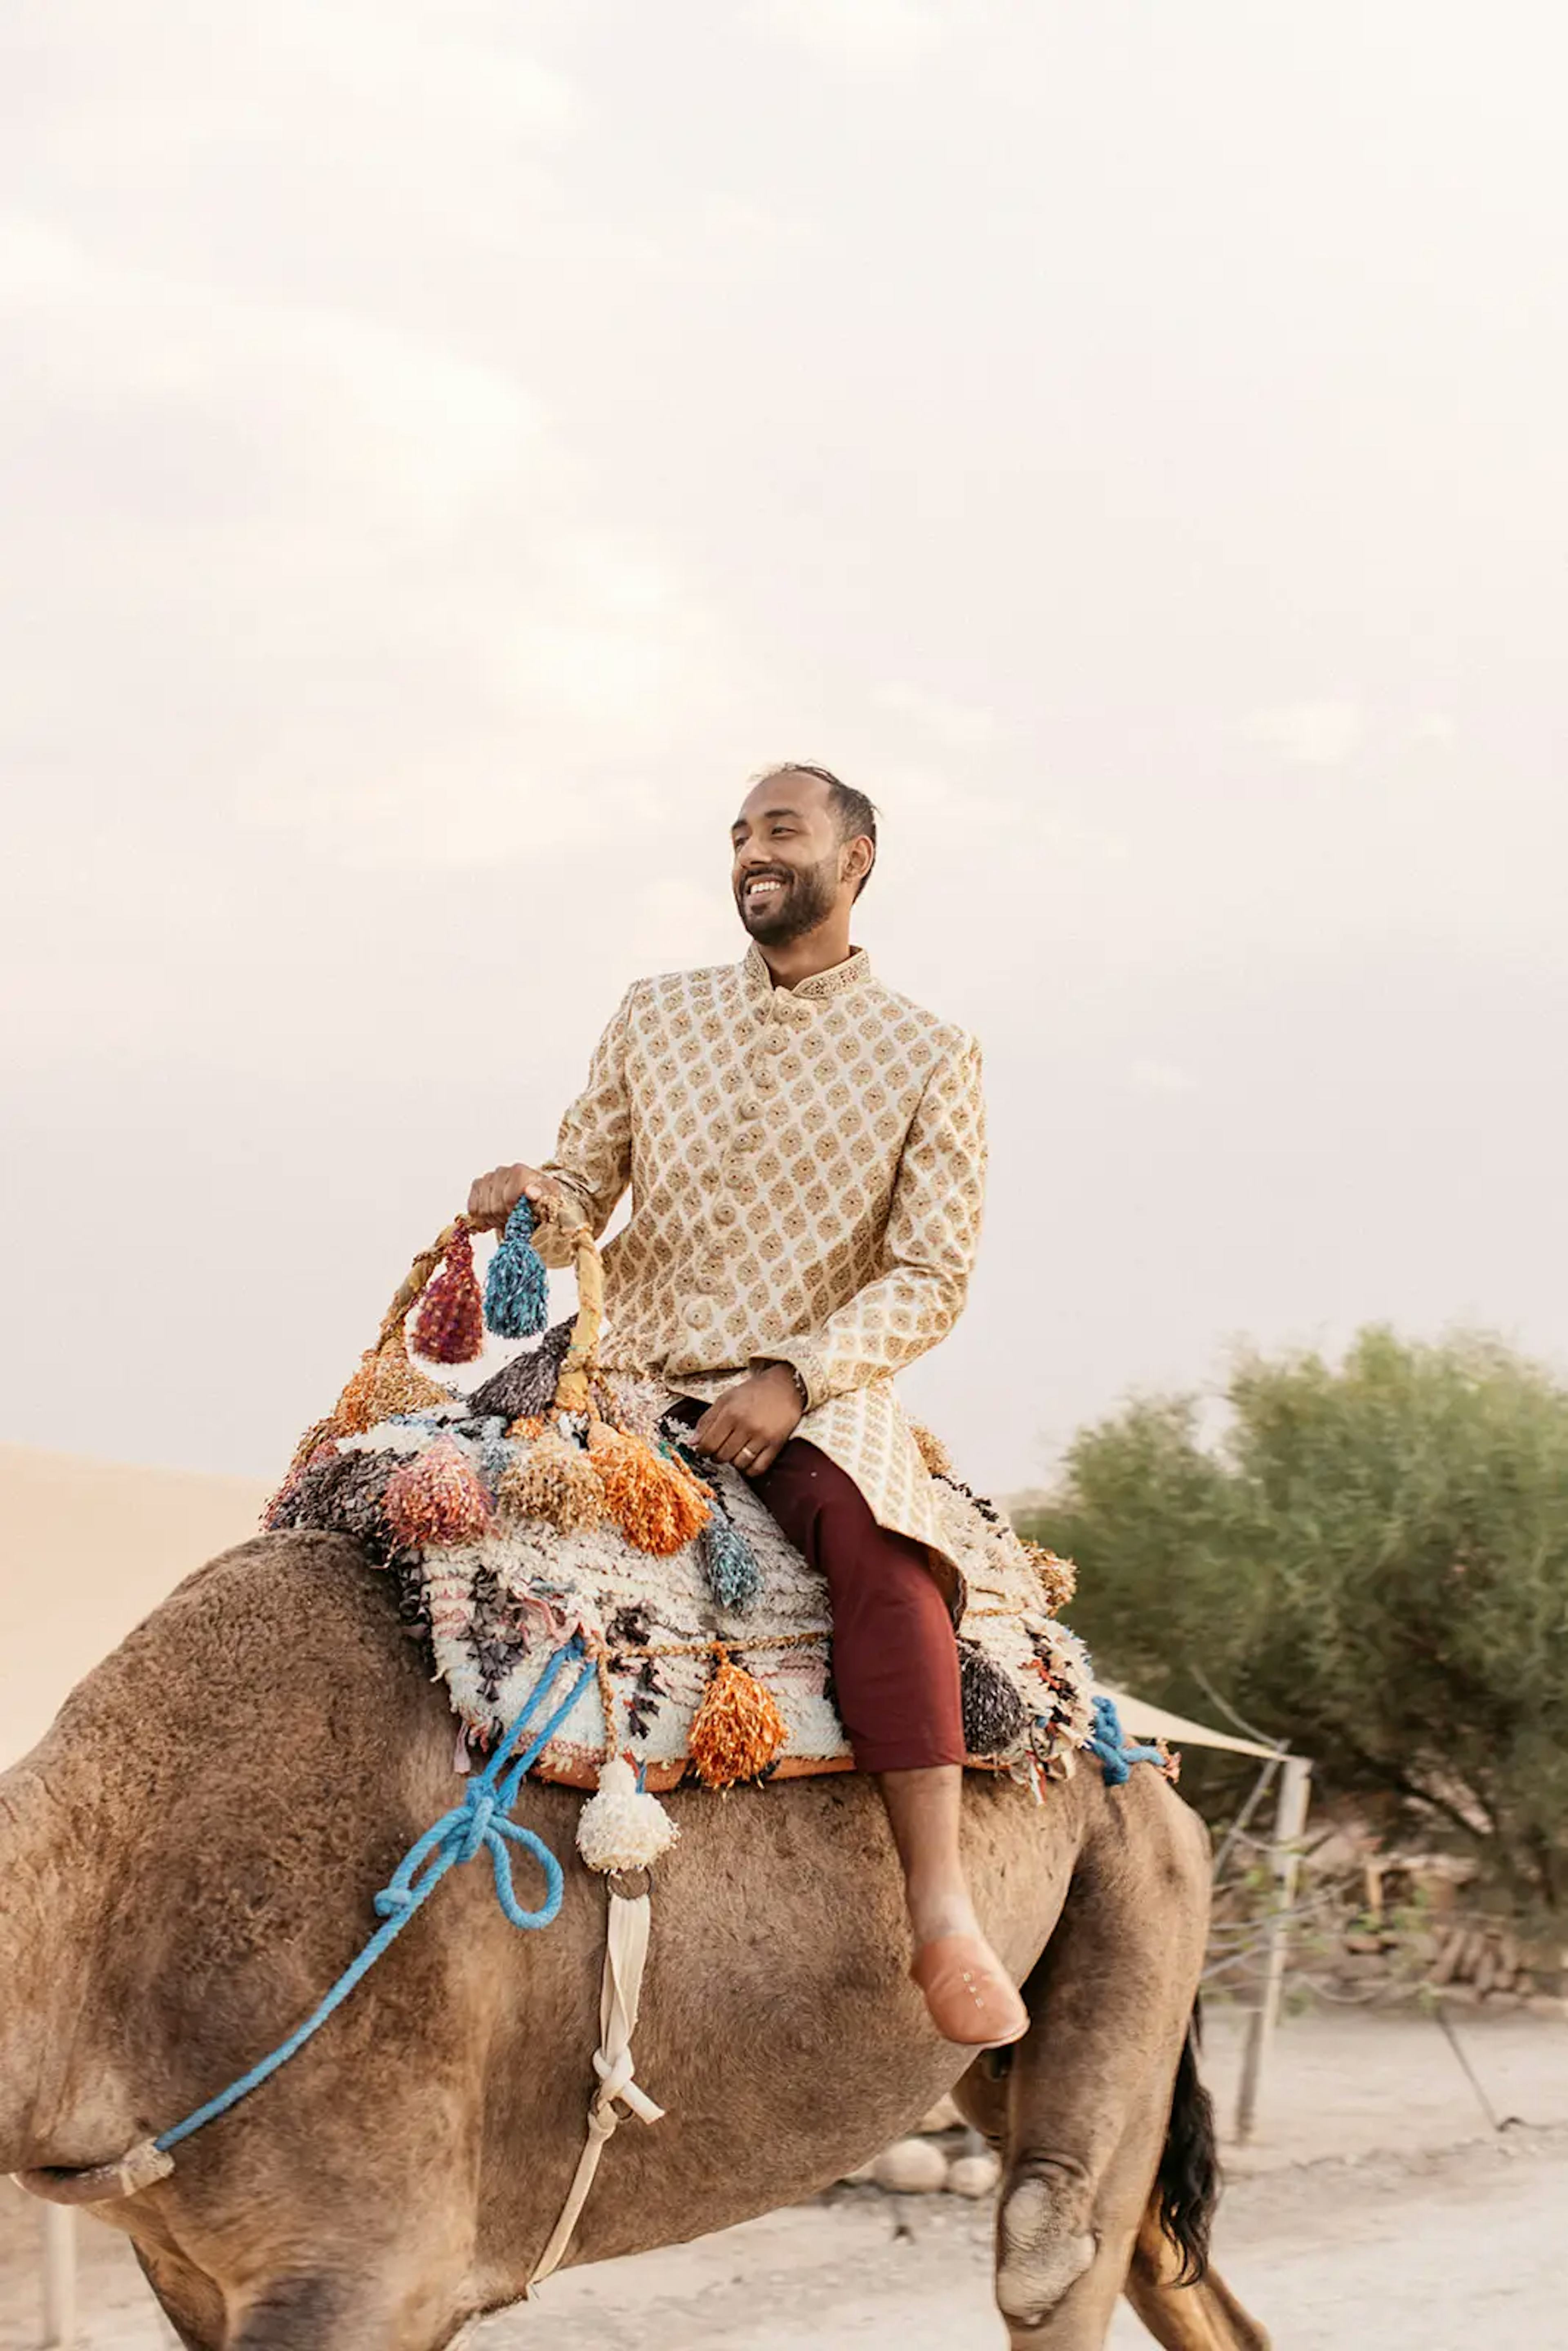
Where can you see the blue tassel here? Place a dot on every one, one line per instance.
(729, 1564)
(517, 1288)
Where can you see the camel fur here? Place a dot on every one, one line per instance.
(188, 1859)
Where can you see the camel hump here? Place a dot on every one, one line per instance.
(276, 1621)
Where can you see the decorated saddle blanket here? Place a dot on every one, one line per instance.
(557, 1500)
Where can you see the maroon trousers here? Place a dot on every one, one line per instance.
(895, 1658)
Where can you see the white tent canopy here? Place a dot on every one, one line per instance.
(1140, 1721)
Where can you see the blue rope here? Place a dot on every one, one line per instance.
(480, 1822)
(1107, 1742)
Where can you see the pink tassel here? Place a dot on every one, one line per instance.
(449, 1326)
(436, 1498)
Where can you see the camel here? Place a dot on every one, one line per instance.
(188, 1859)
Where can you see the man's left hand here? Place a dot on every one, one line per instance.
(753, 1421)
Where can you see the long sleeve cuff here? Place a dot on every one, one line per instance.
(803, 1357)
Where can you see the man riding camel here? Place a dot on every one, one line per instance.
(806, 1154)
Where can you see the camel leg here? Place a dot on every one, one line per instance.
(1090, 2091)
(1182, 2313)
(190, 2302)
(1201, 2317)
(981, 2097)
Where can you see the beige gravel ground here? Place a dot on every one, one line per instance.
(1377, 2210)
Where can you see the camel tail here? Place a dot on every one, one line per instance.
(1188, 2183)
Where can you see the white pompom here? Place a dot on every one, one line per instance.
(622, 1827)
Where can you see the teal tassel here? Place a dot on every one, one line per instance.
(729, 1564)
(516, 1289)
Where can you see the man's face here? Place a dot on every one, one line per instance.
(788, 858)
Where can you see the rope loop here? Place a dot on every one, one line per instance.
(479, 1823)
(506, 1832)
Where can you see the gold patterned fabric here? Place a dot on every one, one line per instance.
(807, 1168)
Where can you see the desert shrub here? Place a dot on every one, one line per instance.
(1369, 1558)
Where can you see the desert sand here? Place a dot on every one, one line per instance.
(87, 1548)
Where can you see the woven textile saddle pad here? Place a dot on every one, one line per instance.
(492, 1610)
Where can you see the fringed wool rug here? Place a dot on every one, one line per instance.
(556, 1500)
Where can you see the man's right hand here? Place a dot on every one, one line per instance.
(492, 1198)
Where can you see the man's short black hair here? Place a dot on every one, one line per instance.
(856, 815)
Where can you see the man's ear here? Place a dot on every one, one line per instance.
(858, 858)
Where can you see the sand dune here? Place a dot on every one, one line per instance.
(86, 1549)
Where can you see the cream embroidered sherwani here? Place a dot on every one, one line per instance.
(807, 1167)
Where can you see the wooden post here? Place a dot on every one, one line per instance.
(59, 2277)
(1290, 1822)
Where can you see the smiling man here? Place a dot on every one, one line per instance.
(806, 1154)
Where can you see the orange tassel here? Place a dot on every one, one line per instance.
(1058, 1577)
(319, 1433)
(436, 1498)
(656, 1503)
(554, 1480)
(449, 1325)
(738, 1730)
(932, 1450)
(385, 1383)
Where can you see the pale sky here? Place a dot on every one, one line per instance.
(445, 447)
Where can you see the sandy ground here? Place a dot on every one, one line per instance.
(1461, 2251)
(87, 1548)
(1377, 2207)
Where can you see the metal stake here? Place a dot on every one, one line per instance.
(1290, 1822)
(59, 2277)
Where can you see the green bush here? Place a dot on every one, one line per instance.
(1369, 1559)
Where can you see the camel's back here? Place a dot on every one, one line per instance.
(258, 1756)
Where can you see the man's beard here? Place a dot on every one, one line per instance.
(806, 900)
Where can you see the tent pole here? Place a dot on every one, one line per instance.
(59, 2277)
(1290, 1822)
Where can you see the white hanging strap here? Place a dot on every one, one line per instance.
(621, 1989)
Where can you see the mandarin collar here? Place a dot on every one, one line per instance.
(854, 972)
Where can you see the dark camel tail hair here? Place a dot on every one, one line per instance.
(1189, 2179)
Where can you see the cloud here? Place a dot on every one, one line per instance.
(955, 725)
(1161, 1078)
(932, 805)
(676, 924)
(354, 582)
(860, 32)
(1308, 733)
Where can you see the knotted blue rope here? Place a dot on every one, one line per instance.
(1107, 1742)
(480, 1823)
